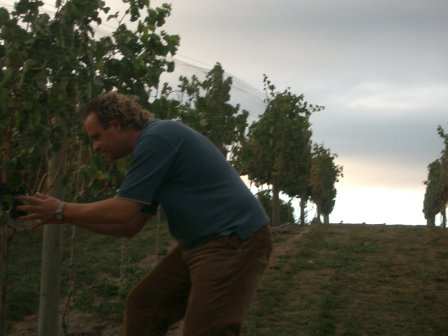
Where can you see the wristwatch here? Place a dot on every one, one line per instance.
(59, 214)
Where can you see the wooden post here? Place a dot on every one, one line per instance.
(50, 285)
(4, 253)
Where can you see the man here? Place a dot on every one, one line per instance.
(223, 236)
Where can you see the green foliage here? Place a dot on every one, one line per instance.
(277, 150)
(286, 208)
(436, 193)
(163, 107)
(51, 66)
(142, 53)
(433, 194)
(324, 175)
(208, 110)
(205, 106)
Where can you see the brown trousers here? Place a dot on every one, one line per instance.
(211, 288)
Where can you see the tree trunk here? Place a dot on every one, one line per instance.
(326, 219)
(318, 215)
(51, 264)
(4, 261)
(275, 206)
(4, 256)
(443, 213)
(302, 210)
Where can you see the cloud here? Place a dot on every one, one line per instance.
(314, 40)
(383, 96)
(411, 141)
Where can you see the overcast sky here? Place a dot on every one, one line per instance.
(379, 67)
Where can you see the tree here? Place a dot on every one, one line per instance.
(277, 149)
(163, 107)
(433, 193)
(49, 68)
(436, 193)
(208, 109)
(286, 208)
(132, 61)
(324, 175)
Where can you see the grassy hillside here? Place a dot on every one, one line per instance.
(323, 280)
(355, 280)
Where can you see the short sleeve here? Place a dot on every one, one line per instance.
(152, 161)
(150, 209)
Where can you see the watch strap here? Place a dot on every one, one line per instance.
(60, 211)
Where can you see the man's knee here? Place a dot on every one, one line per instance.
(142, 319)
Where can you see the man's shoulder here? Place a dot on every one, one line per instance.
(155, 126)
(170, 132)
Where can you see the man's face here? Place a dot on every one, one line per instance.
(107, 140)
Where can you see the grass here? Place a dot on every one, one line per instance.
(356, 280)
(93, 280)
(350, 280)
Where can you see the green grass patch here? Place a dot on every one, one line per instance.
(355, 280)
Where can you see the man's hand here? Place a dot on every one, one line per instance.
(40, 209)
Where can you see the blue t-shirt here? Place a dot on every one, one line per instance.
(201, 193)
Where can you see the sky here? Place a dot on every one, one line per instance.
(380, 69)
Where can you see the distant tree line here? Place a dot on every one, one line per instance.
(436, 195)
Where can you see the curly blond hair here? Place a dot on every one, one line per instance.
(124, 109)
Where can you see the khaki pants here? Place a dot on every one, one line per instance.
(211, 288)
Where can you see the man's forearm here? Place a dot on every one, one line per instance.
(112, 210)
(128, 229)
(113, 216)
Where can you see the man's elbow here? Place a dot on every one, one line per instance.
(134, 226)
